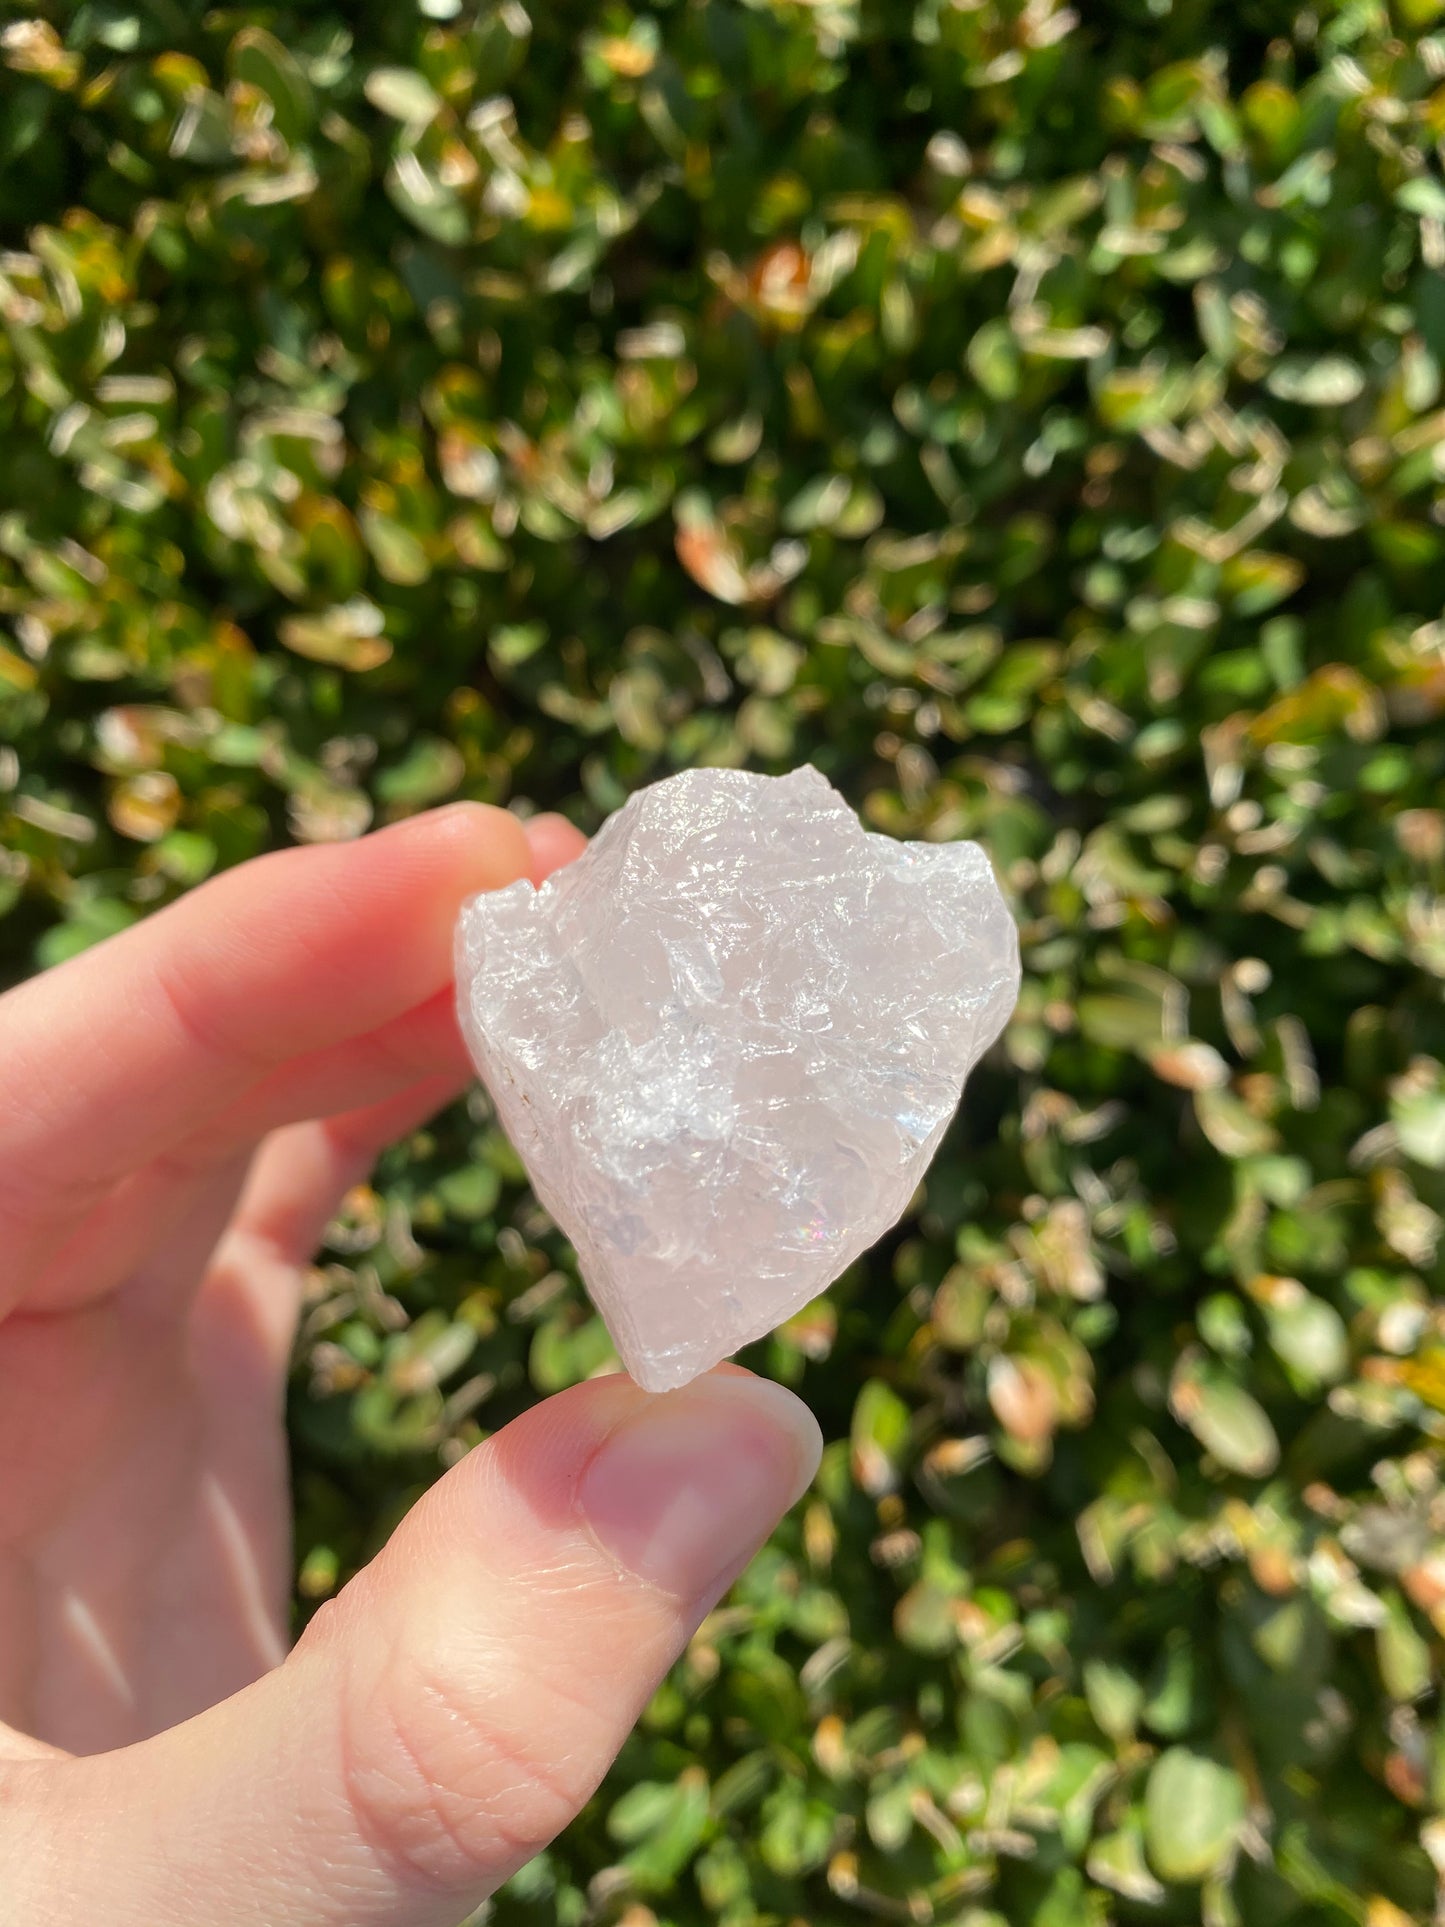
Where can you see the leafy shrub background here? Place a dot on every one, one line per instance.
(1035, 418)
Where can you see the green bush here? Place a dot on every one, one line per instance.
(1033, 417)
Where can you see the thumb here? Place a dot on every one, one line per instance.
(452, 1709)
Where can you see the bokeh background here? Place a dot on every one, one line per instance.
(1033, 416)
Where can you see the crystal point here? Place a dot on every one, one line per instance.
(726, 1042)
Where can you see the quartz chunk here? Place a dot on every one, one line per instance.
(726, 1042)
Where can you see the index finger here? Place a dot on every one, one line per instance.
(113, 1057)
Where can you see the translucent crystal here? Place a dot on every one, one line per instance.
(726, 1042)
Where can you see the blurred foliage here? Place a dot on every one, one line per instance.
(1034, 417)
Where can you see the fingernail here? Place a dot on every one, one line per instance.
(687, 1488)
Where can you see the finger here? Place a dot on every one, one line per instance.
(364, 1071)
(245, 1318)
(554, 842)
(382, 1064)
(114, 1057)
(301, 1174)
(459, 1702)
(233, 1570)
(141, 1213)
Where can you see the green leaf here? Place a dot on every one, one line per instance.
(1419, 1117)
(565, 1350)
(1116, 1861)
(641, 1810)
(1179, 1688)
(1309, 1336)
(1320, 381)
(431, 769)
(994, 361)
(204, 134)
(1256, 581)
(1193, 1811)
(926, 1620)
(1403, 1652)
(796, 1832)
(882, 1425)
(1115, 1698)
(1231, 1425)
(1231, 1127)
(470, 1192)
(259, 59)
(427, 202)
(348, 636)
(658, 1860)
(399, 553)
(1131, 1023)
(403, 94)
(1422, 195)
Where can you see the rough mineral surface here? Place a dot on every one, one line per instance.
(726, 1042)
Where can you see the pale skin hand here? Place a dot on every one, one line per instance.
(180, 1111)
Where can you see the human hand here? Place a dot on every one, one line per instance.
(181, 1110)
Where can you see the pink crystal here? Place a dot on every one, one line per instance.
(726, 1042)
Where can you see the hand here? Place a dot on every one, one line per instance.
(181, 1110)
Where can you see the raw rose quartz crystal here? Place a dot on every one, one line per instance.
(726, 1042)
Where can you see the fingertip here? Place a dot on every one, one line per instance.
(764, 1405)
(688, 1483)
(553, 842)
(487, 845)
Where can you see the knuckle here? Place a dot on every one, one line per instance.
(331, 1624)
(450, 1780)
(207, 1025)
(32, 1203)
